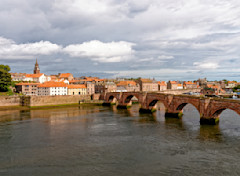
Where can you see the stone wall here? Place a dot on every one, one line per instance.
(10, 101)
(57, 100)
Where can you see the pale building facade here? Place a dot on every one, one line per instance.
(52, 88)
(39, 78)
(105, 87)
(173, 85)
(148, 85)
(27, 88)
(77, 89)
(18, 76)
(66, 76)
(189, 85)
(130, 86)
(162, 85)
(90, 88)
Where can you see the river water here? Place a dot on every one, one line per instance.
(102, 141)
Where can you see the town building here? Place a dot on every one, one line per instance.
(27, 88)
(77, 89)
(52, 88)
(189, 85)
(231, 84)
(66, 76)
(38, 78)
(212, 90)
(105, 87)
(129, 86)
(121, 89)
(147, 85)
(172, 85)
(90, 88)
(202, 82)
(18, 76)
(162, 85)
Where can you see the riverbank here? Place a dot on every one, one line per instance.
(84, 103)
(31, 101)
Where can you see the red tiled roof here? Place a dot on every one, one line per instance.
(189, 82)
(20, 84)
(53, 84)
(76, 86)
(144, 80)
(65, 75)
(34, 75)
(125, 83)
(162, 83)
(231, 82)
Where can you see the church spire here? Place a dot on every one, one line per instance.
(36, 68)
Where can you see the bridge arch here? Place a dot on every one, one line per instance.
(112, 99)
(182, 104)
(216, 112)
(152, 103)
(129, 98)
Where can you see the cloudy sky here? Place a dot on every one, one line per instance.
(164, 39)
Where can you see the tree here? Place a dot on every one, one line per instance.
(236, 89)
(5, 78)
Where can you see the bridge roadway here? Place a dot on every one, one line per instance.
(208, 108)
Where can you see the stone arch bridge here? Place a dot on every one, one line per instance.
(208, 108)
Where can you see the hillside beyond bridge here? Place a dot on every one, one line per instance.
(208, 108)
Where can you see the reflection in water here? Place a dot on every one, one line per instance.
(210, 133)
(96, 140)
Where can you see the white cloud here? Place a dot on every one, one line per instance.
(11, 50)
(165, 57)
(206, 65)
(102, 52)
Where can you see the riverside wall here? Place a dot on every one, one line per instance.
(43, 100)
(58, 100)
(10, 100)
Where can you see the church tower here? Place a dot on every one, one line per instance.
(36, 68)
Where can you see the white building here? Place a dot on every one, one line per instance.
(179, 86)
(18, 76)
(52, 88)
(39, 78)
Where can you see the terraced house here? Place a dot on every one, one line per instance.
(52, 88)
(77, 89)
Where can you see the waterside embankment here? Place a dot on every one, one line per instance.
(23, 102)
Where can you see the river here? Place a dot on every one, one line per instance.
(102, 141)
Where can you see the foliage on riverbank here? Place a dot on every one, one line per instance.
(5, 78)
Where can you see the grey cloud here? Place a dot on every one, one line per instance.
(188, 32)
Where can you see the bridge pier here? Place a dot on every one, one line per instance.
(106, 104)
(143, 110)
(124, 106)
(209, 121)
(174, 115)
